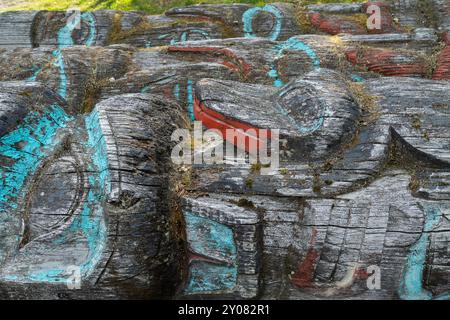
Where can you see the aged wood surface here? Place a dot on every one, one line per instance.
(88, 190)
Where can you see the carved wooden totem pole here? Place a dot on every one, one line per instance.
(92, 204)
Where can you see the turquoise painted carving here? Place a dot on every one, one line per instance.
(291, 44)
(248, 16)
(174, 39)
(64, 36)
(65, 40)
(176, 91)
(356, 78)
(145, 89)
(210, 238)
(297, 45)
(91, 222)
(176, 94)
(168, 36)
(59, 63)
(185, 35)
(29, 145)
(190, 100)
(36, 71)
(411, 285)
(207, 277)
(38, 135)
(217, 270)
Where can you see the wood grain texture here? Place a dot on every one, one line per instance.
(88, 105)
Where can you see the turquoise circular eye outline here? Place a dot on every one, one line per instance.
(247, 19)
(291, 44)
(304, 130)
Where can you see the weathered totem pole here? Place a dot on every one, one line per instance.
(92, 205)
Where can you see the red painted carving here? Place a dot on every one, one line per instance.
(303, 278)
(214, 120)
(335, 25)
(442, 71)
(388, 62)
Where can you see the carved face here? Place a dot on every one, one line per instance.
(312, 118)
(82, 200)
(53, 193)
(65, 28)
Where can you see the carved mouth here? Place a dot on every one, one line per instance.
(310, 113)
(211, 116)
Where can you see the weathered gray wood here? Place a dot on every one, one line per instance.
(86, 117)
(296, 110)
(122, 177)
(277, 21)
(81, 70)
(16, 28)
(337, 237)
(395, 115)
(362, 215)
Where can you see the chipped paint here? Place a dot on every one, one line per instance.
(215, 269)
(207, 277)
(31, 142)
(411, 284)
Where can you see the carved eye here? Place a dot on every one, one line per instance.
(54, 197)
(263, 22)
(302, 107)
